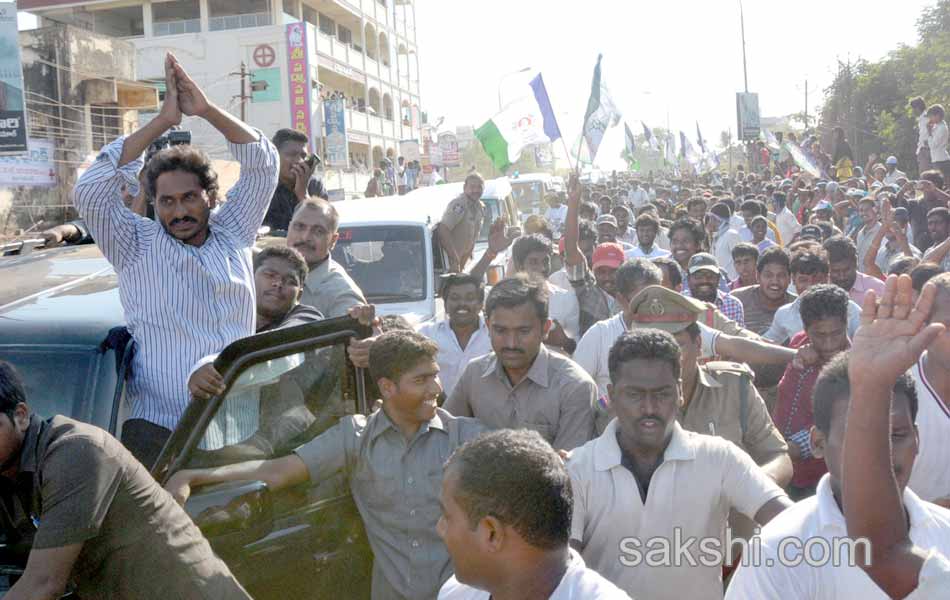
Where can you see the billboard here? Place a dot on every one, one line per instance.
(298, 65)
(13, 138)
(33, 169)
(747, 115)
(337, 151)
(449, 149)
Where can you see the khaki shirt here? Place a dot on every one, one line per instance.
(330, 290)
(556, 399)
(396, 486)
(690, 494)
(85, 488)
(716, 408)
(463, 218)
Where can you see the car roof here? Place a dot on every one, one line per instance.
(530, 177)
(59, 296)
(423, 205)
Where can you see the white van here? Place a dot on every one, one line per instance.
(389, 247)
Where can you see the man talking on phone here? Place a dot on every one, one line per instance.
(296, 181)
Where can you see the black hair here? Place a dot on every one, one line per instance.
(516, 477)
(940, 211)
(933, 176)
(779, 197)
(288, 135)
(648, 219)
(457, 279)
(823, 301)
(644, 344)
(752, 205)
(902, 264)
(745, 249)
(396, 352)
(673, 269)
(694, 202)
(840, 248)
(774, 256)
(807, 262)
(286, 253)
(637, 273)
(833, 384)
(721, 210)
(516, 291)
(586, 230)
(182, 157)
(692, 226)
(923, 273)
(12, 390)
(527, 244)
(395, 323)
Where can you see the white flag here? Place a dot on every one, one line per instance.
(601, 114)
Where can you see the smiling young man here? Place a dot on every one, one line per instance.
(821, 516)
(313, 233)
(744, 257)
(760, 301)
(647, 228)
(186, 280)
(463, 336)
(506, 520)
(703, 277)
(393, 459)
(93, 516)
(646, 480)
(522, 384)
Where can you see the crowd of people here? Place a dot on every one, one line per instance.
(651, 406)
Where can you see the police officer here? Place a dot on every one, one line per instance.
(719, 398)
(462, 222)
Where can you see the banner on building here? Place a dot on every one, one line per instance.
(449, 149)
(13, 138)
(409, 150)
(32, 169)
(747, 115)
(298, 65)
(337, 150)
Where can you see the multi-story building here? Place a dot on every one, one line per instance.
(362, 50)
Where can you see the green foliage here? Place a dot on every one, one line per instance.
(870, 100)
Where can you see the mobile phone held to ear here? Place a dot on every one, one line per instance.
(313, 160)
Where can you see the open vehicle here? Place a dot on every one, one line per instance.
(62, 326)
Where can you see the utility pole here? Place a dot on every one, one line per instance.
(243, 74)
(806, 104)
(745, 72)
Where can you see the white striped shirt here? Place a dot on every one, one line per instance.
(181, 302)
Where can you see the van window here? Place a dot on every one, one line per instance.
(388, 262)
(528, 194)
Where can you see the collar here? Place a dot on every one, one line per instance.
(830, 516)
(607, 453)
(318, 272)
(382, 423)
(538, 373)
(28, 451)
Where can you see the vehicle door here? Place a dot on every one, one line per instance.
(284, 388)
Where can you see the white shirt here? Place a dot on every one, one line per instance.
(934, 578)
(561, 279)
(724, 244)
(938, 142)
(787, 225)
(886, 256)
(556, 217)
(564, 308)
(893, 176)
(638, 197)
(578, 583)
(452, 359)
(181, 302)
(820, 517)
(923, 134)
(655, 252)
(787, 321)
(662, 240)
(930, 478)
(701, 479)
(594, 348)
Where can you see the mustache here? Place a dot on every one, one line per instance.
(517, 350)
(182, 220)
(306, 245)
(651, 418)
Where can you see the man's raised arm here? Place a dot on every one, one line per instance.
(250, 197)
(98, 193)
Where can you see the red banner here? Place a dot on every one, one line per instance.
(298, 65)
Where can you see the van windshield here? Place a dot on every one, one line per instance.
(528, 194)
(386, 261)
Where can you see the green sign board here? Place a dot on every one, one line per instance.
(270, 77)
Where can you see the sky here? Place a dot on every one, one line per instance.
(676, 57)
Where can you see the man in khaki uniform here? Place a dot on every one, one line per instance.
(461, 223)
